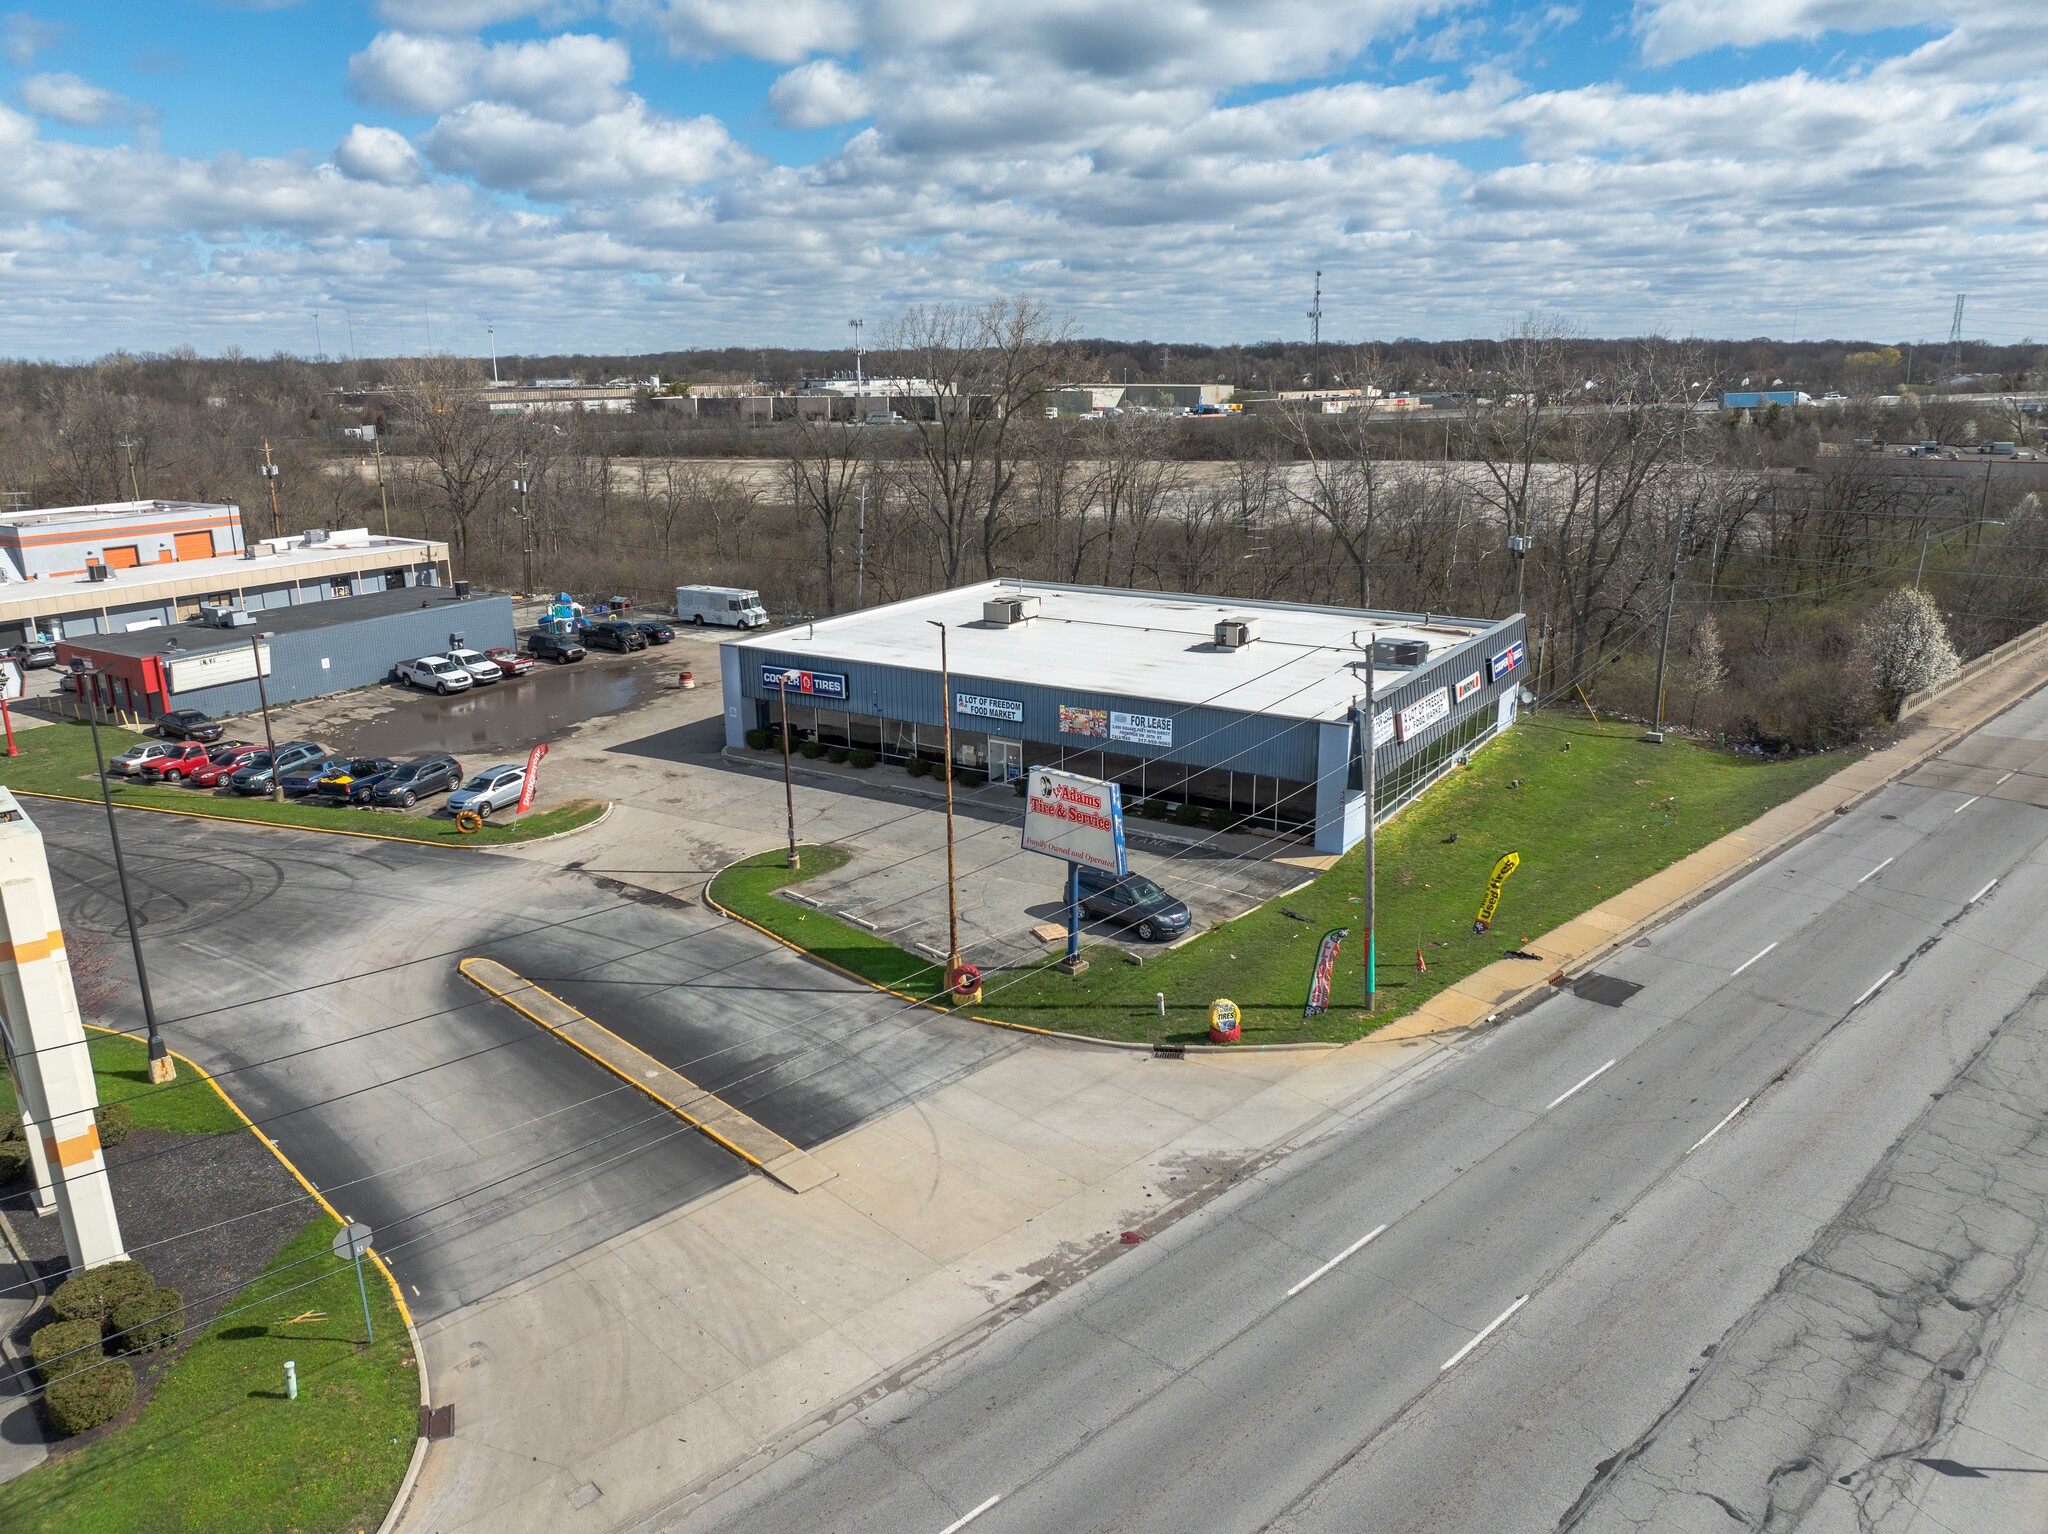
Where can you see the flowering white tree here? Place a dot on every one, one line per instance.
(1908, 646)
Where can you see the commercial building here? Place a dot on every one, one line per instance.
(1248, 708)
(211, 663)
(106, 569)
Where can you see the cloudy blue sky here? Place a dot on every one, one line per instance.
(644, 174)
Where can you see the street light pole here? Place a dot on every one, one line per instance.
(263, 697)
(858, 381)
(161, 1067)
(860, 550)
(952, 889)
(788, 791)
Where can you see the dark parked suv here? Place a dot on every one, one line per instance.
(257, 777)
(559, 648)
(623, 637)
(1133, 901)
(409, 782)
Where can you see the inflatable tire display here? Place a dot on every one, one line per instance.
(468, 822)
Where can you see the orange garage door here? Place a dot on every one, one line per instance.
(123, 558)
(195, 545)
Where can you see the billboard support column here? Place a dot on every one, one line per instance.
(1074, 963)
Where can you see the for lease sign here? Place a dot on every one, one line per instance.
(1075, 818)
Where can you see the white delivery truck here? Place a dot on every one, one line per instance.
(733, 606)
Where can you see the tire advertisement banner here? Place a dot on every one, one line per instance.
(1491, 903)
(1325, 974)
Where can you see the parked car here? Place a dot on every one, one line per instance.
(357, 772)
(656, 631)
(482, 670)
(617, 635)
(1133, 901)
(185, 757)
(495, 788)
(409, 782)
(510, 661)
(433, 671)
(304, 778)
(34, 655)
(559, 648)
(190, 724)
(256, 776)
(221, 763)
(131, 762)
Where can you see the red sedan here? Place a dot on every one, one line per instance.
(220, 762)
(510, 661)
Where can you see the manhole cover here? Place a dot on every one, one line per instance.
(1604, 989)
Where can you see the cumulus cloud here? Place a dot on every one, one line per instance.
(66, 98)
(23, 36)
(818, 95)
(629, 150)
(378, 154)
(780, 33)
(1677, 29)
(568, 77)
(473, 15)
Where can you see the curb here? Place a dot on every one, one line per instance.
(973, 1017)
(419, 1357)
(277, 825)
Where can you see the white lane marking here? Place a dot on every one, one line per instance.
(1319, 1272)
(1874, 989)
(1745, 964)
(1879, 869)
(1491, 1327)
(1587, 1082)
(1981, 893)
(1966, 803)
(1702, 1140)
(2009, 774)
(961, 1523)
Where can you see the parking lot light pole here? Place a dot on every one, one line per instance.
(952, 888)
(161, 1067)
(263, 697)
(788, 792)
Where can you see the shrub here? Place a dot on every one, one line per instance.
(1222, 820)
(10, 1124)
(810, 750)
(13, 1158)
(760, 740)
(1157, 809)
(836, 754)
(1021, 785)
(918, 767)
(147, 1320)
(1189, 815)
(114, 1121)
(85, 1400)
(972, 777)
(860, 758)
(56, 1347)
(92, 1294)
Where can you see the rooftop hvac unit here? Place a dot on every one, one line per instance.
(99, 573)
(223, 615)
(315, 535)
(1009, 610)
(1236, 633)
(1406, 653)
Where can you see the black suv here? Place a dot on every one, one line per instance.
(620, 636)
(190, 724)
(559, 648)
(409, 782)
(1133, 901)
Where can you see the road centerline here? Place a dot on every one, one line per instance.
(1702, 1140)
(1348, 1251)
(960, 1523)
(1745, 964)
(1966, 804)
(1491, 1327)
(1981, 893)
(1879, 869)
(1875, 986)
(1567, 1092)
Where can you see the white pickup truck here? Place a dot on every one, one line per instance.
(435, 671)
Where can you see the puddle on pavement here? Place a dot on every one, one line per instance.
(506, 717)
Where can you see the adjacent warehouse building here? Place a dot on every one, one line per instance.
(106, 569)
(1249, 707)
(303, 652)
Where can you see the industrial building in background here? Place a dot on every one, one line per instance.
(116, 567)
(1251, 710)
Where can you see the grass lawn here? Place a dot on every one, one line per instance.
(219, 1450)
(57, 759)
(1589, 822)
(120, 1065)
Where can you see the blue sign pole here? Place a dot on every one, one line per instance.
(1073, 912)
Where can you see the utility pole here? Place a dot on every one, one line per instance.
(270, 476)
(788, 791)
(860, 549)
(952, 890)
(1315, 337)
(1371, 751)
(525, 522)
(383, 500)
(263, 698)
(1656, 734)
(128, 446)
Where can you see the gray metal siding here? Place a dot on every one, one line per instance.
(1445, 672)
(1203, 737)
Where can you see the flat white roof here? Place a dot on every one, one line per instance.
(1307, 662)
(52, 595)
(110, 510)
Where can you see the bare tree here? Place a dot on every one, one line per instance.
(462, 447)
(827, 462)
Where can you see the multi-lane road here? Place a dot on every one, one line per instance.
(1732, 1238)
